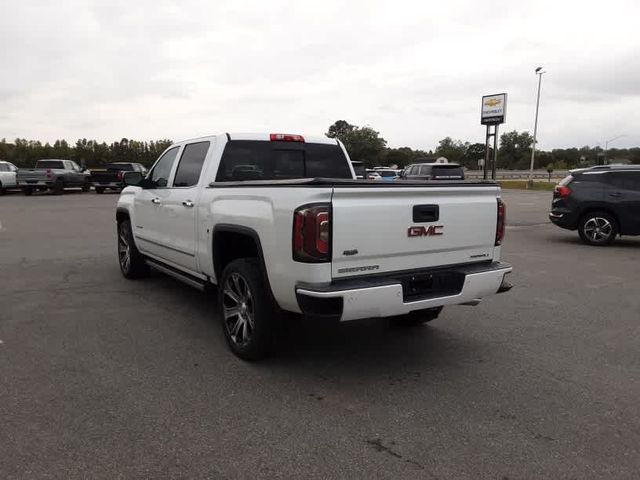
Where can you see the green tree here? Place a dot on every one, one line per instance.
(452, 150)
(365, 145)
(339, 129)
(472, 154)
(515, 150)
(401, 157)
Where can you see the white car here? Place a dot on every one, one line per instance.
(7, 176)
(279, 223)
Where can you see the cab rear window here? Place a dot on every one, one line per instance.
(453, 172)
(50, 164)
(245, 160)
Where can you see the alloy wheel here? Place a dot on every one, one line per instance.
(238, 309)
(598, 229)
(124, 250)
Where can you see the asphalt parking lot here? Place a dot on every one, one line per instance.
(101, 377)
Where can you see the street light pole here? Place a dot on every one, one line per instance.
(539, 72)
(606, 145)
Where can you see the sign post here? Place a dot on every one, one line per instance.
(493, 113)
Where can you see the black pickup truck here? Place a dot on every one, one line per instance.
(111, 177)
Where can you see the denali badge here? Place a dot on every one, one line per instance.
(366, 268)
(425, 231)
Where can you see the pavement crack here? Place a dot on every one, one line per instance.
(377, 444)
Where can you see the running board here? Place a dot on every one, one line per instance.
(177, 274)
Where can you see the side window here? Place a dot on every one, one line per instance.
(411, 171)
(4, 167)
(626, 180)
(75, 166)
(425, 169)
(162, 169)
(190, 166)
(633, 181)
(617, 180)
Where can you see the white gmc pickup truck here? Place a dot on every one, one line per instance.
(279, 223)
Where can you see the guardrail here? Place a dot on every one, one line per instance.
(519, 174)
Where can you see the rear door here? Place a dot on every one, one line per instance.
(78, 175)
(423, 172)
(387, 229)
(624, 191)
(178, 222)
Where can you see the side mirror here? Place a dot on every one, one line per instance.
(133, 179)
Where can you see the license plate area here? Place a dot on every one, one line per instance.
(429, 285)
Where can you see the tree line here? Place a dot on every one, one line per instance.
(366, 145)
(89, 153)
(363, 144)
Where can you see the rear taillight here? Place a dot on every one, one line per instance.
(502, 218)
(286, 137)
(562, 191)
(120, 175)
(312, 233)
(49, 173)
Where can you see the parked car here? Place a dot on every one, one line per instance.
(7, 176)
(358, 168)
(54, 175)
(372, 175)
(388, 175)
(111, 177)
(293, 239)
(601, 203)
(433, 171)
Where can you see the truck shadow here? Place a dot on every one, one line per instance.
(374, 344)
(358, 349)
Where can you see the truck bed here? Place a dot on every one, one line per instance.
(339, 182)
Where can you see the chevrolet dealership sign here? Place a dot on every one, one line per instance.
(494, 109)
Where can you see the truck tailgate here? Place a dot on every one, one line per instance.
(31, 175)
(387, 229)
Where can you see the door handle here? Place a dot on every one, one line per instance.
(155, 201)
(187, 203)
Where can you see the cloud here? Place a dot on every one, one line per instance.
(415, 71)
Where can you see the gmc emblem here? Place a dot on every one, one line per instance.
(424, 231)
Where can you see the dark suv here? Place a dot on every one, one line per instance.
(600, 202)
(433, 171)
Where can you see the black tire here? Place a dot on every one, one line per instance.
(58, 187)
(99, 190)
(27, 190)
(2, 190)
(598, 228)
(131, 261)
(416, 318)
(86, 187)
(250, 333)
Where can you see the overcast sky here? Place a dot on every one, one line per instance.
(415, 71)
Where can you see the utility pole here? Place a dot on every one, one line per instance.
(606, 145)
(539, 72)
